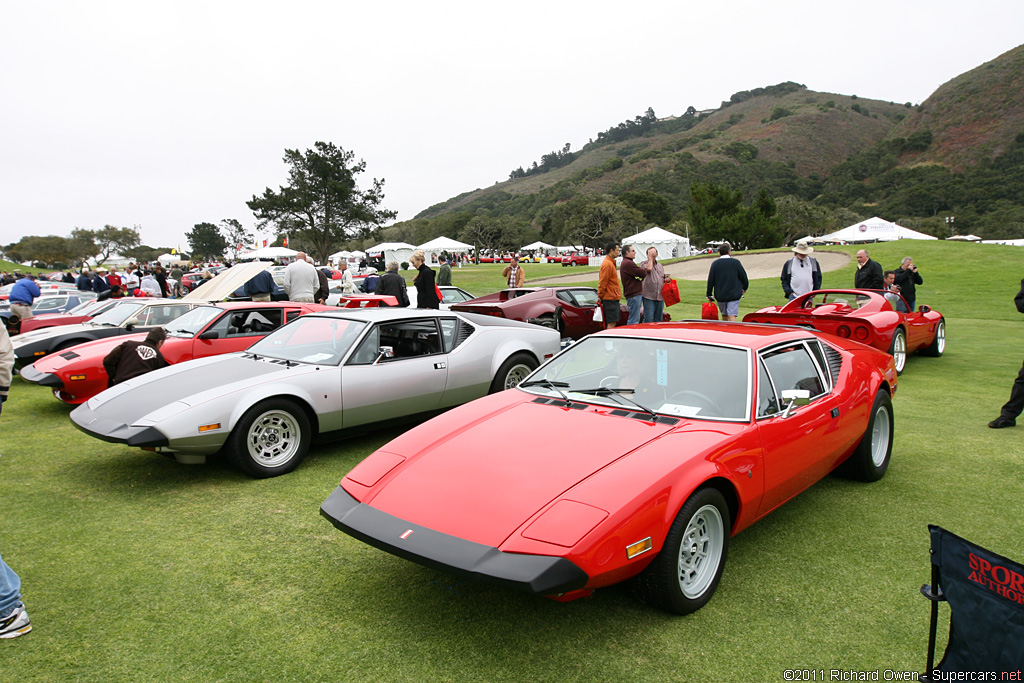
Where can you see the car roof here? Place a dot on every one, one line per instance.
(748, 335)
(381, 313)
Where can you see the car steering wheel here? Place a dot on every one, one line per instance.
(703, 401)
(609, 382)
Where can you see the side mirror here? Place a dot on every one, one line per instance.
(924, 309)
(384, 352)
(210, 334)
(794, 397)
(130, 323)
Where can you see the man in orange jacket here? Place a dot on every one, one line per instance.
(609, 290)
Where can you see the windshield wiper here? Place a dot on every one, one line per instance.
(617, 395)
(552, 385)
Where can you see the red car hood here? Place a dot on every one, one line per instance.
(484, 481)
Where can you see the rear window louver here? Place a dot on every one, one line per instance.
(463, 333)
(835, 362)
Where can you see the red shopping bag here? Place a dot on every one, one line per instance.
(709, 311)
(670, 293)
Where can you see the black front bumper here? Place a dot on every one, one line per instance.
(46, 379)
(114, 431)
(538, 574)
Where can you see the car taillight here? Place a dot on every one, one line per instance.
(843, 331)
(861, 333)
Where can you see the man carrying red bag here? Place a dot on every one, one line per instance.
(654, 282)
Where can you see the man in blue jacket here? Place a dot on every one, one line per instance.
(23, 294)
(727, 283)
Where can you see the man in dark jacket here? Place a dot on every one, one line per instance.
(869, 273)
(134, 358)
(727, 283)
(84, 282)
(1013, 408)
(801, 274)
(393, 284)
(908, 280)
(632, 277)
(324, 290)
(260, 286)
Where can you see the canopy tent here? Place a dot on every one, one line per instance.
(269, 254)
(538, 246)
(440, 245)
(668, 244)
(1012, 243)
(875, 230)
(964, 238)
(391, 251)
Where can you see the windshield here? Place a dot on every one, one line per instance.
(664, 376)
(117, 315)
(189, 324)
(323, 341)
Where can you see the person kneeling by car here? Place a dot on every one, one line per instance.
(134, 358)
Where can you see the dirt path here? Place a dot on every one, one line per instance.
(757, 266)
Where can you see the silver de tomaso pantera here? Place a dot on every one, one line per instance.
(322, 373)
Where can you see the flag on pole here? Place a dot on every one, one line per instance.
(264, 243)
(286, 240)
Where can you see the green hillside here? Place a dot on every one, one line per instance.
(825, 160)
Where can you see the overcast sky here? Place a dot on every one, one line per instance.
(164, 115)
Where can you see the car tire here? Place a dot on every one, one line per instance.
(871, 459)
(271, 439)
(512, 372)
(684, 575)
(938, 345)
(898, 349)
(572, 264)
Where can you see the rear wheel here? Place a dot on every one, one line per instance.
(271, 439)
(871, 459)
(938, 344)
(898, 349)
(512, 372)
(685, 574)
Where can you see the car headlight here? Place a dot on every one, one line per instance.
(565, 523)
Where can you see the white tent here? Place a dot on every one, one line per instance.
(668, 244)
(1011, 243)
(964, 238)
(875, 230)
(392, 251)
(538, 246)
(271, 253)
(443, 244)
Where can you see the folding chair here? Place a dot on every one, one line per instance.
(985, 592)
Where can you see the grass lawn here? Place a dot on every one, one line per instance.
(136, 568)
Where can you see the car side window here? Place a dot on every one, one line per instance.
(407, 339)
(585, 297)
(449, 327)
(791, 367)
(291, 315)
(369, 349)
(767, 401)
(564, 295)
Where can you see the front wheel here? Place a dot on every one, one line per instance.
(871, 459)
(271, 439)
(685, 574)
(898, 349)
(512, 372)
(938, 344)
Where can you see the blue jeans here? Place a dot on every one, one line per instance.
(10, 589)
(653, 310)
(636, 309)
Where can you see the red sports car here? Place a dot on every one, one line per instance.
(575, 259)
(682, 435)
(77, 374)
(876, 318)
(570, 310)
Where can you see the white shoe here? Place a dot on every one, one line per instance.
(15, 624)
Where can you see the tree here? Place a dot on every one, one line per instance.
(496, 234)
(111, 239)
(145, 253)
(322, 206)
(652, 205)
(82, 245)
(50, 250)
(593, 224)
(206, 241)
(717, 213)
(236, 235)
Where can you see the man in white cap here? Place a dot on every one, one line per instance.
(801, 274)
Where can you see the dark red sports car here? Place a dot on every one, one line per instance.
(77, 374)
(682, 435)
(570, 310)
(876, 318)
